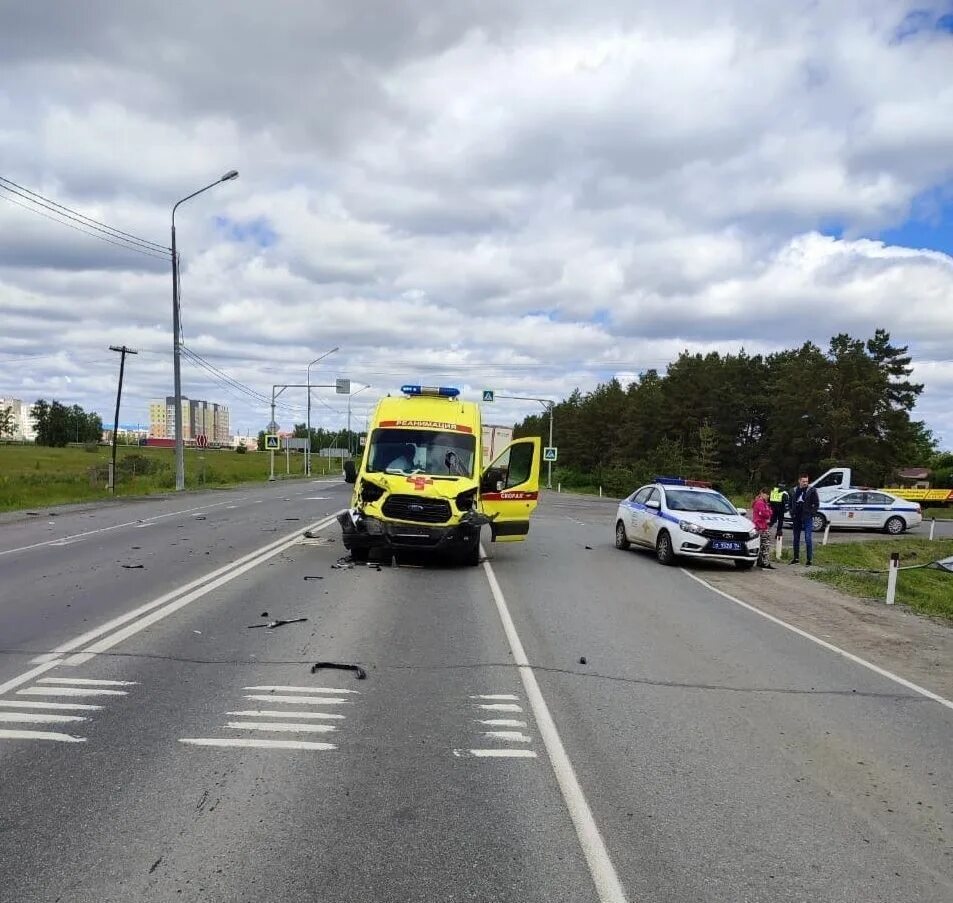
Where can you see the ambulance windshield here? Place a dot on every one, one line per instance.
(430, 452)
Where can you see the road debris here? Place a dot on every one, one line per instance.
(278, 622)
(343, 564)
(133, 567)
(357, 669)
(312, 577)
(589, 548)
(155, 865)
(582, 660)
(199, 516)
(292, 518)
(265, 614)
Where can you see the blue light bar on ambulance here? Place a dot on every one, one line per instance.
(439, 391)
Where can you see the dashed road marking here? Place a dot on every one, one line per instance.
(38, 718)
(282, 689)
(298, 700)
(285, 713)
(502, 722)
(497, 696)
(281, 726)
(500, 753)
(40, 735)
(70, 691)
(253, 743)
(511, 736)
(86, 682)
(500, 707)
(59, 706)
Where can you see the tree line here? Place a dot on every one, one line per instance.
(57, 425)
(745, 420)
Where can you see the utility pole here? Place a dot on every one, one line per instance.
(123, 351)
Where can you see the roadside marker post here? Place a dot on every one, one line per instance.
(827, 532)
(778, 547)
(892, 577)
(932, 527)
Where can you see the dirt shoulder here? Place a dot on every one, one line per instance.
(912, 646)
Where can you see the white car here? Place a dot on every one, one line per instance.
(868, 510)
(677, 519)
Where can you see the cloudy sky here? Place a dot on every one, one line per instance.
(524, 196)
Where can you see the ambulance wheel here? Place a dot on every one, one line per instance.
(360, 555)
(621, 540)
(663, 548)
(469, 555)
(895, 525)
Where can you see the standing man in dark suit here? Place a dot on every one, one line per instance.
(804, 504)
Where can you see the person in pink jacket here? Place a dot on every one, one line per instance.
(761, 515)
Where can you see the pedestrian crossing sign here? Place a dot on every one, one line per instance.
(272, 443)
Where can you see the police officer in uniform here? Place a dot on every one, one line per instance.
(779, 499)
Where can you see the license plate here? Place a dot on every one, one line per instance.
(726, 546)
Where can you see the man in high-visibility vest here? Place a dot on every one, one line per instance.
(780, 502)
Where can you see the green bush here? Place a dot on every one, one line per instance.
(241, 450)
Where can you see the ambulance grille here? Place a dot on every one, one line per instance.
(417, 509)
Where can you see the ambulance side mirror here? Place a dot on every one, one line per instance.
(350, 472)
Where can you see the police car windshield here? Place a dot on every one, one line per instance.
(421, 451)
(702, 502)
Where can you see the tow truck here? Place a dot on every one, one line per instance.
(423, 485)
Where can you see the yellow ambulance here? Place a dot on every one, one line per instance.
(422, 484)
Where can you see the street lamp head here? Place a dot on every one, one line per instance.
(231, 174)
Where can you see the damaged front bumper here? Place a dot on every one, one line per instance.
(363, 531)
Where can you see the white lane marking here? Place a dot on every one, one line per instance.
(151, 613)
(257, 744)
(285, 713)
(604, 876)
(502, 722)
(503, 753)
(499, 696)
(318, 498)
(515, 736)
(27, 676)
(40, 735)
(67, 542)
(230, 507)
(44, 658)
(257, 501)
(87, 682)
(60, 706)
(69, 691)
(500, 707)
(38, 718)
(856, 659)
(281, 726)
(281, 689)
(299, 700)
(140, 526)
(131, 523)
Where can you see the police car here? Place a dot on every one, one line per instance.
(867, 509)
(677, 517)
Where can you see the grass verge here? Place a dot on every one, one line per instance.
(33, 476)
(938, 513)
(928, 590)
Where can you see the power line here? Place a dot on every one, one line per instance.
(128, 247)
(49, 203)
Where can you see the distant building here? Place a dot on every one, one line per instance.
(199, 418)
(23, 428)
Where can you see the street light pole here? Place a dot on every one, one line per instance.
(549, 405)
(349, 397)
(307, 454)
(123, 350)
(176, 342)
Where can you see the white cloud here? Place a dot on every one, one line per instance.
(524, 196)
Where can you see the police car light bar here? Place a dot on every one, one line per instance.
(681, 481)
(438, 391)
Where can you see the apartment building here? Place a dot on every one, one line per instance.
(23, 428)
(199, 418)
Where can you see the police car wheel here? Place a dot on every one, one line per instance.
(818, 523)
(663, 549)
(895, 525)
(621, 540)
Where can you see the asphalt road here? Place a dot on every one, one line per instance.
(701, 752)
